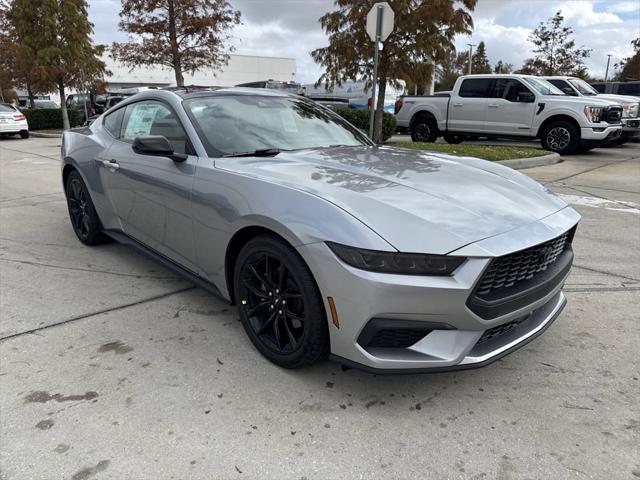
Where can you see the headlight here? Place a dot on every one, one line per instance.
(398, 263)
(631, 110)
(593, 113)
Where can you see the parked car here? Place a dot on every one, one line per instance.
(13, 121)
(512, 106)
(283, 86)
(40, 104)
(77, 101)
(618, 88)
(576, 87)
(105, 104)
(386, 258)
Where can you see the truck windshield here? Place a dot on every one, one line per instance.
(232, 124)
(583, 87)
(543, 87)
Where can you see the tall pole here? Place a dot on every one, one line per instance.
(606, 73)
(471, 45)
(376, 52)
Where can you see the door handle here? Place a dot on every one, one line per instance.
(457, 104)
(112, 164)
(492, 105)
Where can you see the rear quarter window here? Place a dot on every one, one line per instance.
(475, 88)
(112, 122)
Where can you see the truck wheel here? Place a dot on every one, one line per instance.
(561, 137)
(424, 129)
(453, 139)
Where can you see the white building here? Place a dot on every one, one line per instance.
(240, 69)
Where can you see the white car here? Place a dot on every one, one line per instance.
(13, 121)
(511, 106)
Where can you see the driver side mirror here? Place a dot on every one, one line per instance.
(158, 146)
(526, 97)
(569, 91)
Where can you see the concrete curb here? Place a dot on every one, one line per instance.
(44, 135)
(519, 163)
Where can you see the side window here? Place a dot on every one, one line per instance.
(564, 86)
(146, 118)
(475, 87)
(629, 89)
(112, 122)
(509, 89)
(600, 87)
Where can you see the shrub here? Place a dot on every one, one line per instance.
(46, 118)
(360, 118)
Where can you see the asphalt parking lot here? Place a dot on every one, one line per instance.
(113, 368)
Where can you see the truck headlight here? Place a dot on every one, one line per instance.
(594, 114)
(395, 262)
(631, 110)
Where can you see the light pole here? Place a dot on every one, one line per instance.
(471, 45)
(606, 73)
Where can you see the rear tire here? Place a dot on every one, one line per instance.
(24, 134)
(82, 213)
(424, 129)
(561, 137)
(279, 303)
(453, 139)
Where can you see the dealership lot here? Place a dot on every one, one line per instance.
(112, 367)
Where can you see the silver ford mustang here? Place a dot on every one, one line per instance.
(384, 258)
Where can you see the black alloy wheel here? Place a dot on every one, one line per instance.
(279, 304)
(82, 213)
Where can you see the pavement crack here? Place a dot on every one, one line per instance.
(90, 270)
(589, 170)
(98, 312)
(27, 197)
(604, 272)
(31, 153)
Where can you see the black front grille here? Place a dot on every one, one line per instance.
(396, 338)
(507, 271)
(500, 330)
(612, 114)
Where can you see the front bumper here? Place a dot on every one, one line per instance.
(631, 127)
(456, 337)
(600, 134)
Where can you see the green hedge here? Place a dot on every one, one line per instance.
(49, 118)
(360, 119)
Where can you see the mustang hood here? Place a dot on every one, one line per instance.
(416, 201)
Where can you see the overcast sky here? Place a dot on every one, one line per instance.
(290, 28)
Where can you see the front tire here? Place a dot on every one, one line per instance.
(24, 134)
(82, 213)
(561, 137)
(424, 129)
(279, 303)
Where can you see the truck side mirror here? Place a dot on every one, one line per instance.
(526, 97)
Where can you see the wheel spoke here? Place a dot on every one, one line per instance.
(267, 270)
(256, 291)
(292, 338)
(265, 326)
(290, 296)
(276, 330)
(85, 223)
(259, 277)
(261, 306)
(282, 278)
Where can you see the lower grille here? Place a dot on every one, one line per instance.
(500, 330)
(396, 338)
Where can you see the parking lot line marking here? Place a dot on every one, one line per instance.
(98, 312)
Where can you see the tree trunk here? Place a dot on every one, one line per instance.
(63, 106)
(175, 49)
(378, 118)
(32, 103)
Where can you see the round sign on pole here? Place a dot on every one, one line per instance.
(387, 21)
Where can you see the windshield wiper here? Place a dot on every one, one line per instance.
(263, 152)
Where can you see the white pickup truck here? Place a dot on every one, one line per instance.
(511, 106)
(576, 87)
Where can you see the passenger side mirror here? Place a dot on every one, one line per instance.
(526, 97)
(158, 146)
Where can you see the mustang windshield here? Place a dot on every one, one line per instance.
(232, 124)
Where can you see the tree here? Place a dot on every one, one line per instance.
(57, 33)
(453, 65)
(184, 35)
(555, 52)
(629, 68)
(479, 61)
(503, 67)
(423, 34)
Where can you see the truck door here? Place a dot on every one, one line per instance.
(468, 106)
(511, 108)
